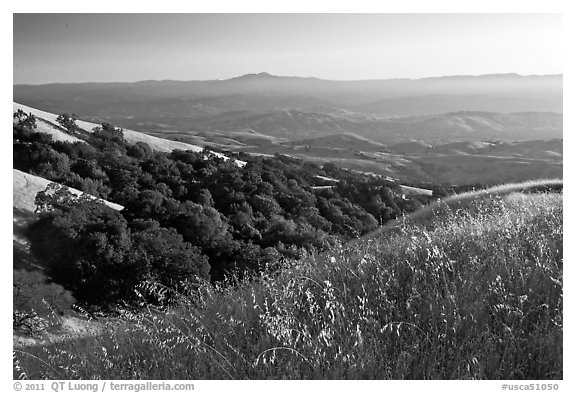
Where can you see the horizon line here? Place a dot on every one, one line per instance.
(265, 74)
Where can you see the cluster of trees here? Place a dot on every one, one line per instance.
(187, 215)
(99, 255)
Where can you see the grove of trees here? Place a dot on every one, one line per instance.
(188, 216)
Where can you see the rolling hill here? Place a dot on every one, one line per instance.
(466, 158)
(296, 125)
(443, 103)
(332, 121)
(466, 126)
(436, 300)
(426, 216)
(48, 124)
(130, 136)
(26, 186)
(503, 107)
(420, 162)
(339, 141)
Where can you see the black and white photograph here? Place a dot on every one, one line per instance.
(287, 196)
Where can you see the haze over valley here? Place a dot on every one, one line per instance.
(356, 124)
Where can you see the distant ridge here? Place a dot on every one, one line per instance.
(267, 75)
(264, 92)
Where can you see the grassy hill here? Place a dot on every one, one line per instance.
(462, 201)
(485, 169)
(131, 136)
(27, 186)
(472, 292)
(48, 123)
(300, 124)
(347, 141)
(453, 163)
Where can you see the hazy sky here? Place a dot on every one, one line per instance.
(131, 47)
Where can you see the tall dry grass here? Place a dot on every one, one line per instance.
(476, 295)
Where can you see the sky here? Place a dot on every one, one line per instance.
(50, 48)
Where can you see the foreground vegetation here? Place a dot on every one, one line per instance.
(475, 294)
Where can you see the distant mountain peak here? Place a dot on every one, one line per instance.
(261, 75)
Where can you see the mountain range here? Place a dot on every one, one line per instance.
(283, 88)
(288, 107)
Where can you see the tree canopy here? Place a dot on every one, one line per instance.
(215, 216)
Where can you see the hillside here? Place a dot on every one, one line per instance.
(460, 202)
(288, 124)
(467, 126)
(46, 126)
(452, 300)
(486, 169)
(443, 103)
(339, 141)
(299, 124)
(410, 147)
(539, 149)
(131, 136)
(159, 144)
(217, 217)
(27, 186)
(420, 162)
(469, 161)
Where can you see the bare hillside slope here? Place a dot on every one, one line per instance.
(48, 124)
(26, 186)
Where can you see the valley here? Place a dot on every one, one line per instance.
(456, 130)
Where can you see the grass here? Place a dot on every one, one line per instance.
(26, 187)
(462, 201)
(477, 294)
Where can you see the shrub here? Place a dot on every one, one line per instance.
(36, 299)
(476, 296)
(85, 246)
(68, 122)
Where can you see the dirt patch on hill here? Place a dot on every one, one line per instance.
(70, 328)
